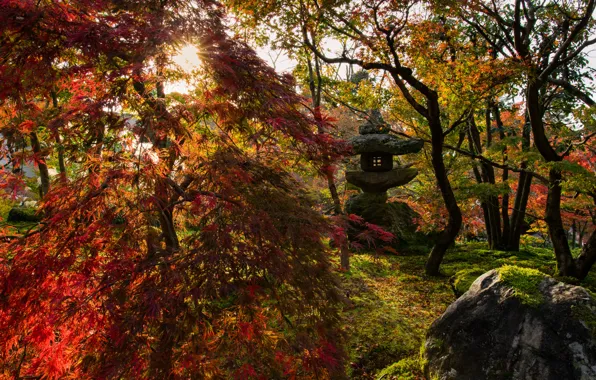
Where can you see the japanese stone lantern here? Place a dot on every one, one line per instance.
(377, 148)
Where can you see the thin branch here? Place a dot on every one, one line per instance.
(577, 29)
(462, 118)
(191, 195)
(571, 146)
(571, 89)
(481, 158)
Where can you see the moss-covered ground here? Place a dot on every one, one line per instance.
(393, 302)
(20, 227)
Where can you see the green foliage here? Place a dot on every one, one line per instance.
(392, 305)
(464, 278)
(483, 191)
(476, 255)
(405, 369)
(525, 283)
(5, 206)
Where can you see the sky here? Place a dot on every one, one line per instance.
(188, 59)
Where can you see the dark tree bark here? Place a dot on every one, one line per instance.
(519, 210)
(565, 263)
(520, 204)
(573, 233)
(61, 164)
(448, 235)
(587, 257)
(487, 175)
(485, 212)
(582, 232)
(505, 236)
(44, 174)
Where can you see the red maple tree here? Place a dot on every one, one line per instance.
(175, 242)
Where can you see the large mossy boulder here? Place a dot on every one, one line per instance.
(395, 217)
(515, 323)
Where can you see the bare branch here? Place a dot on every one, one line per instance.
(577, 29)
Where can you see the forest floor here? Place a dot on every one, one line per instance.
(393, 303)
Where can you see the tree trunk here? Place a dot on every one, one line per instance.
(582, 231)
(524, 186)
(485, 211)
(587, 257)
(573, 233)
(490, 206)
(519, 210)
(505, 242)
(505, 236)
(565, 263)
(447, 236)
(166, 221)
(44, 174)
(61, 164)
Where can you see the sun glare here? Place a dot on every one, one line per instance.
(188, 60)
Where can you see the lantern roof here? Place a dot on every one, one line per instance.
(375, 138)
(384, 143)
(374, 124)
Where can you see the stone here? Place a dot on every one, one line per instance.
(375, 124)
(376, 162)
(463, 279)
(378, 182)
(372, 129)
(514, 323)
(384, 143)
(30, 204)
(395, 217)
(362, 203)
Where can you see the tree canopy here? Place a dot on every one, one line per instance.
(194, 233)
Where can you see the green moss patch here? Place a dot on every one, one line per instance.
(405, 369)
(524, 282)
(392, 305)
(587, 315)
(463, 279)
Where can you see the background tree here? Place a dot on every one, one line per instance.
(549, 41)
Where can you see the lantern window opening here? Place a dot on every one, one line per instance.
(377, 161)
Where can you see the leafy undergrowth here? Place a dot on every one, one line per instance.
(393, 303)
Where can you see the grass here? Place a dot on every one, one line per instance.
(393, 302)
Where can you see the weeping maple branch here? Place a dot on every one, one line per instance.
(191, 195)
